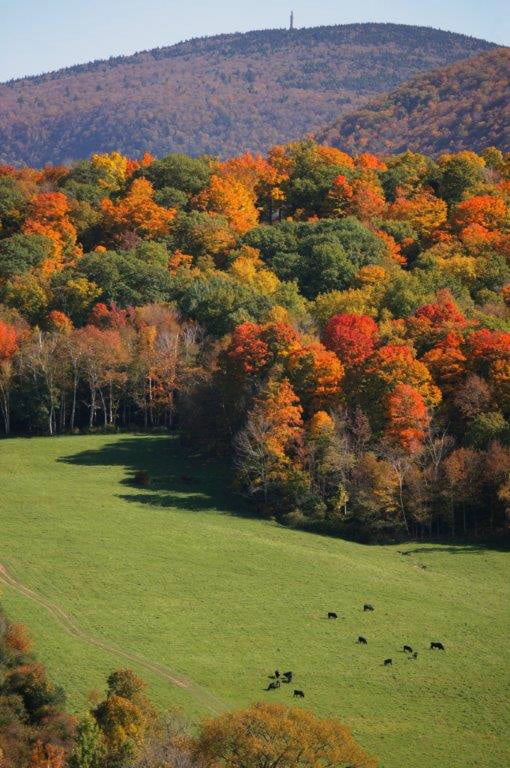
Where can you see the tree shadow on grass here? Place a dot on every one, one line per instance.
(196, 483)
(458, 549)
(177, 480)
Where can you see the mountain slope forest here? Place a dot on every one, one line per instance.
(336, 327)
(218, 95)
(462, 106)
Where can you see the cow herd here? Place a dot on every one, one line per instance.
(286, 677)
(434, 646)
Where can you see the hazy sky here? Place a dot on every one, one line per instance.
(41, 35)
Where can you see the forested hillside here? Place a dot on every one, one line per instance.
(337, 326)
(462, 106)
(217, 95)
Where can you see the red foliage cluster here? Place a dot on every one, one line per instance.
(352, 337)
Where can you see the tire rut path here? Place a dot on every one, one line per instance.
(72, 628)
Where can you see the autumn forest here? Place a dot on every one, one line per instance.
(255, 404)
(333, 326)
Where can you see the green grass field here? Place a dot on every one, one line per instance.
(175, 574)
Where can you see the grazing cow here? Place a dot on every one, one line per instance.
(408, 649)
(361, 640)
(273, 686)
(387, 662)
(299, 694)
(415, 655)
(332, 615)
(287, 677)
(437, 646)
(368, 607)
(277, 673)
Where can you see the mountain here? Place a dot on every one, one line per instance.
(462, 106)
(217, 95)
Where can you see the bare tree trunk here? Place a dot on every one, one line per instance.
(401, 498)
(111, 401)
(73, 407)
(105, 411)
(92, 406)
(62, 424)
(4, 402)
(151, 404)
(51, 415)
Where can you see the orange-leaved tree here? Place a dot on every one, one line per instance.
(485, 347)
(396, 364)
(488, 211)
(267, 449)
(8, 347)
(447, 362)
(47, 756)
(276, 736)
(407, 418)
(247, 352)
(426, 212)
(137, 212)
(17, 638)
(316, 374)
(49, 216)
(229, 197)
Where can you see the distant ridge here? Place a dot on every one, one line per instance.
(217, 95)
(463, 106)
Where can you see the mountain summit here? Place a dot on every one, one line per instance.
(217, 95)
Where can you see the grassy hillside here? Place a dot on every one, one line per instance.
(175, 574)
(463, 106)
(218, 95)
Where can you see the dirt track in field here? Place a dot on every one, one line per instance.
(70, 626)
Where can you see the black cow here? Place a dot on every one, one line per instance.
(299, 694)
(408, 649)
(332, 615)
(368, 607)
(387, 662)
(361, 640)
(287, 677)
(273, 686)
(437, 646)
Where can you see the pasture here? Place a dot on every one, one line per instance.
(205, 602)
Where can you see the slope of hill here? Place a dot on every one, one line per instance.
(216, 95)
(170, 573)
(463, 106)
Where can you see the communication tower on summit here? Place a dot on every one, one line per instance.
(291, 27)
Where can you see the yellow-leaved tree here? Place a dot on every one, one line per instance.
(276, 736)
